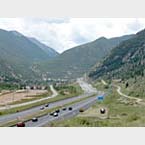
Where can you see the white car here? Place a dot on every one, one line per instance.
(55, 114)
(42, 108)
(102, 111)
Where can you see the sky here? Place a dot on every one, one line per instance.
(65, 33)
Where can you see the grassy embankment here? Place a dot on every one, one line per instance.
(119, 113)
(135, 87)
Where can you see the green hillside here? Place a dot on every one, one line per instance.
(127, 63)
(50, 51)
(78, 60)
(19, 57)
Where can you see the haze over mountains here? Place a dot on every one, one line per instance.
(19, 56)
(50, 51)
(78, 60)
(23, 58)
(125, 61)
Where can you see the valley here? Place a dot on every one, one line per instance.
(97, 84)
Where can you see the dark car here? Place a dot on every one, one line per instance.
(102, 111)
(34, 119)
(64, 109)
(46, 105)
(51, 114)
(81, 110)
(21, 124)
(70, 108)
(42, 108)
(57, 111)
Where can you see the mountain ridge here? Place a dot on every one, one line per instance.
(125, 61)
(78, 60)
(19, 56)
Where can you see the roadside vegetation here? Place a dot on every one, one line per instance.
(134, 87)
(68, 89)
(7, 86)
(40, 114)
(70, 94)
(119, 113)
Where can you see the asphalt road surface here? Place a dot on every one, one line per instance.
(44, 120)
(88, 91)
(87, 88)
(34, 110)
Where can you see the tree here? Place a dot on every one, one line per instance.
(126, 85)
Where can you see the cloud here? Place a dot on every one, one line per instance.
(48, 20)
(137, 25)
(64, 33)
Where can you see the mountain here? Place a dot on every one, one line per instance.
(19, 56)
(126, 61)
(50, 51)
(78, 60)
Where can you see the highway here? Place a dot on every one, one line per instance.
(34, 110)
(87, 88)
(44, 120)
(88, 91)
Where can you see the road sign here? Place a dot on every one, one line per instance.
(100, 98)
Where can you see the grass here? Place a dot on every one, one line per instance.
(135, 88)
(58, 98)
(41, 113)
(119, 114)
(68, 89)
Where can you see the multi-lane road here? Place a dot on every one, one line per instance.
(44, 120)
(86, 103)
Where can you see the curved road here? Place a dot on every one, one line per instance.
(85, 104)
(87, 88)
(7, 118)
(54, 94)
(138, 100)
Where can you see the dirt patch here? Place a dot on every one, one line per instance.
(18, 95)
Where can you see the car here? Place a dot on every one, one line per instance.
(51, 114)
(34, 119)
(55, 114)
(70, 108)
(46, 105)
(57, 111)
(42, 108)
(21, 124)
(102, 111)
(64, 109)
(81, 110)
